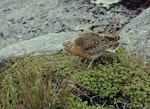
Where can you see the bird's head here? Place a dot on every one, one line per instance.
(67, 45)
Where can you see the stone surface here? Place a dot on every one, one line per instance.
(24, 20)
(135, 36)
(43, 44)
(105, 2)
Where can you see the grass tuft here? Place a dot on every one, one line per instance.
(46, 81)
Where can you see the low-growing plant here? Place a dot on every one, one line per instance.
(46, 81)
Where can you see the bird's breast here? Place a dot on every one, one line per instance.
(77, 51)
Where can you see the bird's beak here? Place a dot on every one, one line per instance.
(63, 50)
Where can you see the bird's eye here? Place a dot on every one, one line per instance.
(68, 46)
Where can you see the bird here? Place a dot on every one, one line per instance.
(90, 45)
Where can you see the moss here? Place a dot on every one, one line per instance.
(28, 81)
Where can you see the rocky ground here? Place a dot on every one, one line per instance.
(135, 36)
(35, 26)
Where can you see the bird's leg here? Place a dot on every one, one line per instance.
(85, 61)
(116, 48)
(113, 50)
(90, 64)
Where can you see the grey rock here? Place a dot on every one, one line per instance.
(25, 19)
(105, 2)
(24, 22)
(42, 44)
(135, 36)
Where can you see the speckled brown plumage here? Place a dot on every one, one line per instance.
(90, 45)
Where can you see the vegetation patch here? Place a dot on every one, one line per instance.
(49, 81)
